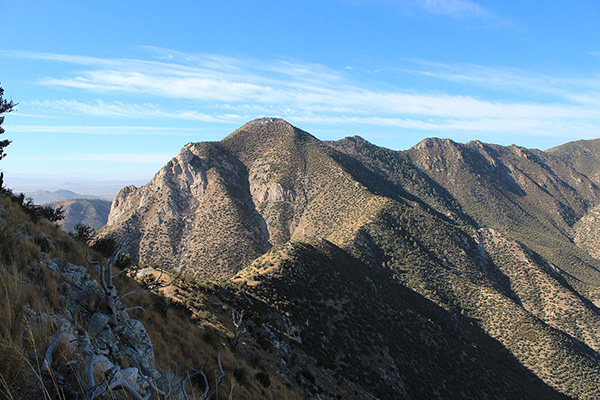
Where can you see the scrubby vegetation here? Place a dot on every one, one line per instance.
(34, 304)
(336, 270)
(352, 247)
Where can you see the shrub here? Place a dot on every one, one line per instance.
(83, 233)
(105, 246)
(263, 378)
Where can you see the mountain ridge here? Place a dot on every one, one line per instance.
(45, 196)
(487, 233)
(90, 212)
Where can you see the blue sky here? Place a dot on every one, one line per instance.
(109, 91)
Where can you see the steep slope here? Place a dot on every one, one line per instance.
(518, 192)
(457, 269)
(361, 325)
(396, 176)
(91, 212)
(582, 155)
(217, 206)
(478, 238)
(588, 232)
(300, 186)
(191, 212)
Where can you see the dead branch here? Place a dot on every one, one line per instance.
(115, 256)
(106, 280)
(153, 285)
(196, 372)
(115, 385)
(205, 394)
(237, 318)
(148, 380)
(133, 308)
(47, 364)
(219, 379)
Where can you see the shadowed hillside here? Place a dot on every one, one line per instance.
(518, 192)
(336, 248)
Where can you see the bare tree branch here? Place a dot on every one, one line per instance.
(115, 256)
(147, 380)
(219, 378)
(237, 318)
(196, 372)
(90, 370)
(147, 287)
(47, 364)
(118, 384)
(133, 308)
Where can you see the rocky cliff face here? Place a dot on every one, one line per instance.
(180, 218)
(217, 206)
(479, 238)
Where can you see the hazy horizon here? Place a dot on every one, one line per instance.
(115, 103)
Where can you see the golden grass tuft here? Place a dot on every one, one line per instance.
(29, 291)
(22, 332)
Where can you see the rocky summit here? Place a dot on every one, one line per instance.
(447, 270)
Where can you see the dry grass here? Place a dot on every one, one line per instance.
(181, 342)
(24, 333)
(29, 292)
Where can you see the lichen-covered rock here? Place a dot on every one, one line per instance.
(136, 342)
(131, 376)
(100, 367)
(97, 323)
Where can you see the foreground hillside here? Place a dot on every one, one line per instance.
(402, 272)
(59, 340)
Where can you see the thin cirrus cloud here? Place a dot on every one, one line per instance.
(103, 130)
(119, 109)
(105, 158)
(231, 90)
(455, 8)
(510, 79)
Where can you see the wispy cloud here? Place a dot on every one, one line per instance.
(455, 8)
(221, 89)
(106, 158)
(100, 108)
(102, 130)
(507, 79)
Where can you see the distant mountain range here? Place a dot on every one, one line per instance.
(91, 212)
(86, 209)
(45, 196)
(445, 271)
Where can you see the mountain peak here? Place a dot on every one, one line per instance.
(263, 128)
(262, 135)
(434, 143)
(266, 121)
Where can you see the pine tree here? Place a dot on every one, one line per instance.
(5, 107)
